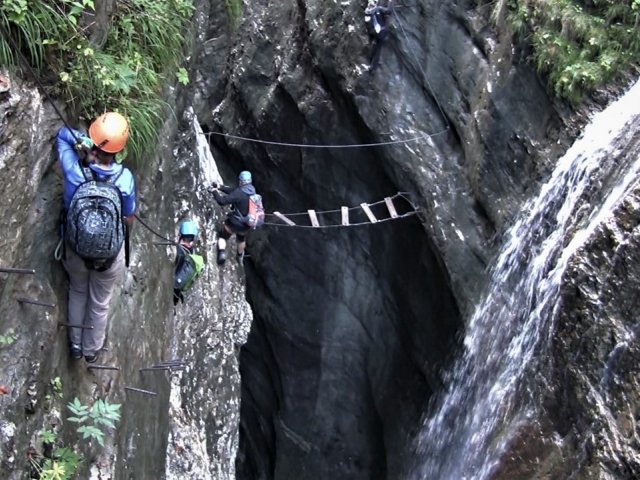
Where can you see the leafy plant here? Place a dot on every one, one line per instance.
(61, 466)
(48, 436)
(101, 415)
(56, 384)
(183, 76)
(8, 338)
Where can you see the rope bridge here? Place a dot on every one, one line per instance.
(364, 214)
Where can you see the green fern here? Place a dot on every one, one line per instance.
(578, 45)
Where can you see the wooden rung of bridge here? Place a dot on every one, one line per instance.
(313, 217)
(369, 213)
(390, 207)
(345, 215)
(284, 219)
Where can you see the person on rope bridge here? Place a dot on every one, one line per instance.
(246, 213)
(99, 206)
(188, 264)
(375, 19)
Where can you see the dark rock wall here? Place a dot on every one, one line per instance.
(352, 326)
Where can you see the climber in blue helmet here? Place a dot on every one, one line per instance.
(236, 220)
(188, 265)
(188, 233)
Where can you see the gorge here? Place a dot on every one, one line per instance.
(426, 347)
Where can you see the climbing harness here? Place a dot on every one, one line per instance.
(330, 216)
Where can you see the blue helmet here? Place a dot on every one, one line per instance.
(188, 227)
(244, 177)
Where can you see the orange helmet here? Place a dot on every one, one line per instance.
(109, 132)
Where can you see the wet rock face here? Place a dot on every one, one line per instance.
(351, 326)
(596, 352)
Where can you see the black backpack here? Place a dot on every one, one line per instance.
(94, 228)
(187, 270)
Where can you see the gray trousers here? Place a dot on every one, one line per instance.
(89, 296)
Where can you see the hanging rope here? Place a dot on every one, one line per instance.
(335, 146)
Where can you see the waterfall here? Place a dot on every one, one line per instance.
(489, 393)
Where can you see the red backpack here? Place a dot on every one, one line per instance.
(255, 217)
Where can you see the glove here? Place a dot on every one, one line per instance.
(83, 144)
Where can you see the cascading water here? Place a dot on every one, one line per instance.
(491, 392)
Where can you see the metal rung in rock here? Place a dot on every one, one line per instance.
(35, 302)
(345, 215)
(17, 270)
(313, 217)
(283, 218)
(390, 207)
(369, 213)
(140, 390)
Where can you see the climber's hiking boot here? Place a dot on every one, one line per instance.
(76, 351)
(222, 257)
(91, 358)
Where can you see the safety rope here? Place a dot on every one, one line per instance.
(316, 145)
(145, 225)
(57, 253)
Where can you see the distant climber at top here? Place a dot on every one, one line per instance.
(99, 203)
(375, 18)
(246, 213)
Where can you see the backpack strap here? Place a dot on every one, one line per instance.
(88, 174)
(126, 244)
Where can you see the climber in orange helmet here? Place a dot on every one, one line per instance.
(99, 204)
